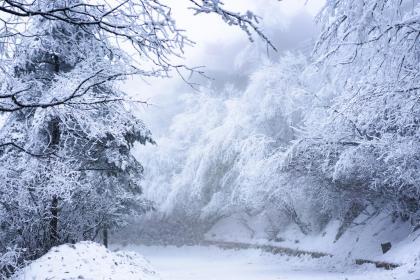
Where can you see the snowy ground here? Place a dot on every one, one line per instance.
(210, 263)
(89, 261)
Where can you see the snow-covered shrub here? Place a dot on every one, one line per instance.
(10, 261)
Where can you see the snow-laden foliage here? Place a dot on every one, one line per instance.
(67, 172)
(225, 153)
(10, 261)
(369, 144)
(143, 34)
(309, 140)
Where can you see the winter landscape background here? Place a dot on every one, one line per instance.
(294, 153)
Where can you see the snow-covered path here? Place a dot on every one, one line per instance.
(210, 263)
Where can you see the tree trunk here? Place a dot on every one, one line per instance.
(105, 237)
(354, 211)
(54, 221)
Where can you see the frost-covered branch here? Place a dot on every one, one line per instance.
(22, 149)
(248, 22)
(142, 34)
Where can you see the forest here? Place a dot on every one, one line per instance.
(288, 131)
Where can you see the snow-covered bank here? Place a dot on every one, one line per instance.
(362, 240)
(88, 260)
(211, 263)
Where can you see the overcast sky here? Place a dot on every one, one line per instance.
(222, 49)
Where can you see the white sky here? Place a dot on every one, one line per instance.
(209, 31)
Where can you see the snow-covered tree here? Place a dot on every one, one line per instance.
(309, 140)
(67, 173)
(230, 159)
(145, 29)
(368, 146)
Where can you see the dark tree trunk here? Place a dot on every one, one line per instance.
(56, 63)
(352, 213)
(291, 211)
(54, 221)
(105, 237)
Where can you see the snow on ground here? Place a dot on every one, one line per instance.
(89, 261)
(211, 263)
(362, 241)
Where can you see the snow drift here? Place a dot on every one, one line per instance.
(88, 260)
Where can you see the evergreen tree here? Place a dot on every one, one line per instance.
(69, 173)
